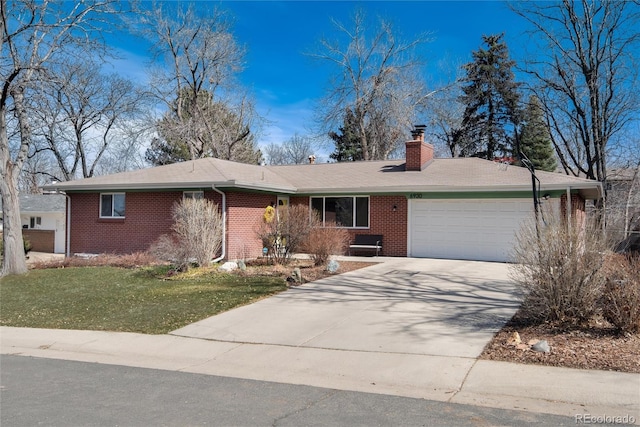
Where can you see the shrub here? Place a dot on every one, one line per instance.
(197, 234)
(559, 272)
(621, 298)
(326, 241)
(169, 248)
(26, 244)
(285, 233)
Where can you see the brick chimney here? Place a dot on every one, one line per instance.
(419, 153)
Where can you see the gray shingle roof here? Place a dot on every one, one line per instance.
(192, 174)
(41, 203)
(447, 175)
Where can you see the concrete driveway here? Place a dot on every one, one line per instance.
(402, 305)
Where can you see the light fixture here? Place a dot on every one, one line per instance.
(395, 208)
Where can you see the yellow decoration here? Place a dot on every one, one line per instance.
(269, 214)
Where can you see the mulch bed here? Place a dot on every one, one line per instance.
(597, 346)
(308, 271)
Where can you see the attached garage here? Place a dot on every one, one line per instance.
(473, 229)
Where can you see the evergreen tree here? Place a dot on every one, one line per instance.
(161, 152)
(491, 98)
(535, 139)
(347, 142)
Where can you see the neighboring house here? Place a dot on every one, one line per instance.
(43, 221)
(461, 208)
(623, 208)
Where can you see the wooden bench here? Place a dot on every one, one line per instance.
(367, 242)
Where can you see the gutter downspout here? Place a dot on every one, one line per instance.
(224, 224)
(67, 243)
(569, 207)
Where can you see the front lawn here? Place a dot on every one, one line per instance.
(118, 299)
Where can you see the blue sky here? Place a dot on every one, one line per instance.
(276, 34)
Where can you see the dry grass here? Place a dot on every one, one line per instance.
(134, 260)
(129, 299)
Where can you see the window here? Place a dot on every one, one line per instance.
(35, 221)
(351, 212)
(193, 194)
(112, 205)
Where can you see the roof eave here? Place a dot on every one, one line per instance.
(590, 190)
(68, 186)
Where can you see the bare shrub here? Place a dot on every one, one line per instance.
(326, 241)
(169, 248)
(197, 234)
(621, 298)
(560, 273)
(286, 233)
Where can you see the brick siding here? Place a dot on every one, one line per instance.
(392, 225)
(41, 240)
(245, 211)
(148, 216)
(578, 208)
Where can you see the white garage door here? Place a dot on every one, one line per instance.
(474, 229)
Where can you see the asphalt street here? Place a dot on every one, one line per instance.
(50, 392)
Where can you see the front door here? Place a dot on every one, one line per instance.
(283, 202)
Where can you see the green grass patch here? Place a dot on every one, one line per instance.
(128, 300)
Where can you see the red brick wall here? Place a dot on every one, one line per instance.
(578, 208)
(41, 240)
(245, 211)
(147, 216)
(392, 225)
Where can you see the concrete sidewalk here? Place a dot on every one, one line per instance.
(405, 327)
(560, 391)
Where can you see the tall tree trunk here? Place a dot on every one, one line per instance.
(13, 259)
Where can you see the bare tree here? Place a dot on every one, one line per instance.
(198, 59)
(294, 151)
(444, 111)
(377, 78)
(586, 76)
(126, 150)
(35, 36)
(35, 174)
(81, 114)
